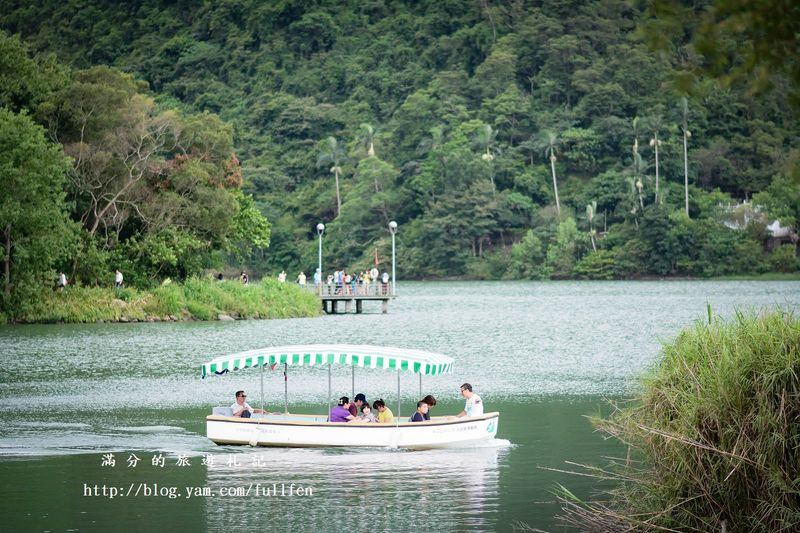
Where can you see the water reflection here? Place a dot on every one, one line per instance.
(32, 439)
(358, 490)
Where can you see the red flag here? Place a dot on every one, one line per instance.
(272, 366)
(376, 257)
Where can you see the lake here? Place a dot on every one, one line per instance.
(544, 354)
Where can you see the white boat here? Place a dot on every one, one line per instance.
(296, 430)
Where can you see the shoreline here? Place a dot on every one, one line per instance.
(203, 300)
(768, 276)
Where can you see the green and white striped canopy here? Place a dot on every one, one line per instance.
(416, 361)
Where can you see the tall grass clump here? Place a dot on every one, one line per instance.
(266, 299)
(195, 299)
(86, 304)
(166, 300)
(714, 437)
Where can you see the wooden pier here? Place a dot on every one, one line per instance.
(332, 295)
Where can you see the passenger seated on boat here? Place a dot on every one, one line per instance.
(241, 408)
(366, 414)
(474, 404)
(360, 400)
(431, 401)
(385, 415)
(419, 416)
(341, 413)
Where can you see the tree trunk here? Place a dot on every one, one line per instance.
(656, 147)
(7, 260)
(338, 198)
(555, 183)
(685, 174)
(491, 172)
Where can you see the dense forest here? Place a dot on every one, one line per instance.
(541, 139)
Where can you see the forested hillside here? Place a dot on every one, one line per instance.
(507, 139)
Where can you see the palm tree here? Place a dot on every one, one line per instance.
(632, 184)
(686, 135)
(638, 165)
(551, 142)
(636, 131)
(655, 124)
(591, 210)
(548, 144)
(333, 154)
(366, 138)
(485, 139)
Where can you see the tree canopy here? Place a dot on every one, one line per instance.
(484, 129)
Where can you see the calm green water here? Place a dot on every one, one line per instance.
(543, 354)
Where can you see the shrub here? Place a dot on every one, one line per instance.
(716, 429)
(784, 259)
(596, 265)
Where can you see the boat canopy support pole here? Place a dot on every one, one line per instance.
(262, 388)
(420, 385)
(329, 390)
(397, 416)
(354, 382)
(286, 387)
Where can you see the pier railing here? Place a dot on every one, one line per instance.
(332, 290)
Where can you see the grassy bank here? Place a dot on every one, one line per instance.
(714, 436)
(194, 299)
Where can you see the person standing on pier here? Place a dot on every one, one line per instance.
(337, 281)
(301, 279)
(346, 282)
(367, 280)
(385, 282)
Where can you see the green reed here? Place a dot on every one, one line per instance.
(713, 437)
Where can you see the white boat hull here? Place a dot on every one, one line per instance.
(310, 431)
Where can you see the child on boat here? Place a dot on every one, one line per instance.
(366, 414)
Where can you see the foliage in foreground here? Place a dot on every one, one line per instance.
(717, 430)
(196, 299)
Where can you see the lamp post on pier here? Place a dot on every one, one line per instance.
(393, 230)
(320, 231)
